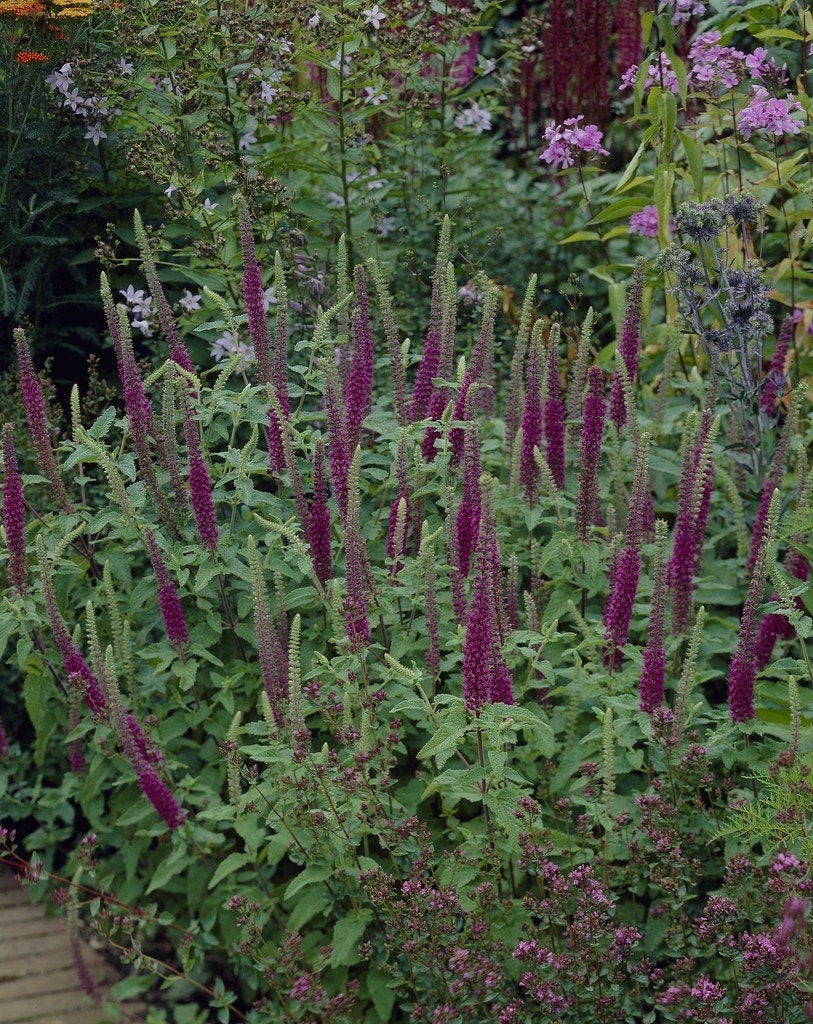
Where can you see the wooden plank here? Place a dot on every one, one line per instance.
(38, 983)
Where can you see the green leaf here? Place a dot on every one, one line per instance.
(382, 993)
(102, 424)
(315, 873)
(36, 692)
(316, 899)
(347, 933)
(694, 157)
(443, 744)
(173, 864)
(632, 166)
(232, 863)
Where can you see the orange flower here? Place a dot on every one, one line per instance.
(26, 56)
(28, 8)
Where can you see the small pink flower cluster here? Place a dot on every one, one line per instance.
(766, 113)
(714, 65)
(685, 9)
(659, 74)
(566, 141)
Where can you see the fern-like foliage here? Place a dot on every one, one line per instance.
(782, 815)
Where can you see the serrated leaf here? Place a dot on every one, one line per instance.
(443, 744)
(347, 934)
(172, 865)
(315, 873)
(316, 899)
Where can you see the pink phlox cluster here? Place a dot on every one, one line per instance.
(712, 64)
(645, 222)
(660, 74)
(684, 10)
(566, 141)
(768, 113)
(760, 65)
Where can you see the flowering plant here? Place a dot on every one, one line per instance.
(366, 697)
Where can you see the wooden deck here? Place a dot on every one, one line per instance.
(38, 984)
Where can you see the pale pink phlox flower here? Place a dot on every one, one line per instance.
(713, 64)
(566, 140)
(767, 113)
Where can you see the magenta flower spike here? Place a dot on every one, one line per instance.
(485, 675)
(355, 568)
(338, 449)
(200, 484)
(157, 792)
(775, 626)
(319, 520)
(359, 390)
(554, 416)
(531, 425)
(467, 519)
(253, 296)
(653, 672)
(34, 403)
(168, 600)
(430, 365)
(618, 610)
(595, 409)
(775, 379)
(743, 668)
(630, 344)
(14, 515)
(177, 349)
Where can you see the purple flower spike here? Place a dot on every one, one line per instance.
(200, 488)
(467, 520)
(14, 514)
(154, 789)
(168, 600)
(253, 294)
(319, 520)
(34, 403)
(741, 677)
(360, 381)
(531, 426)
(776, 378)
(595, 408)
(554, 417)
(630, 343)
(486, 678)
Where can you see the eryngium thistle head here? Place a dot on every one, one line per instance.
(743, 206)
(701, 222)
